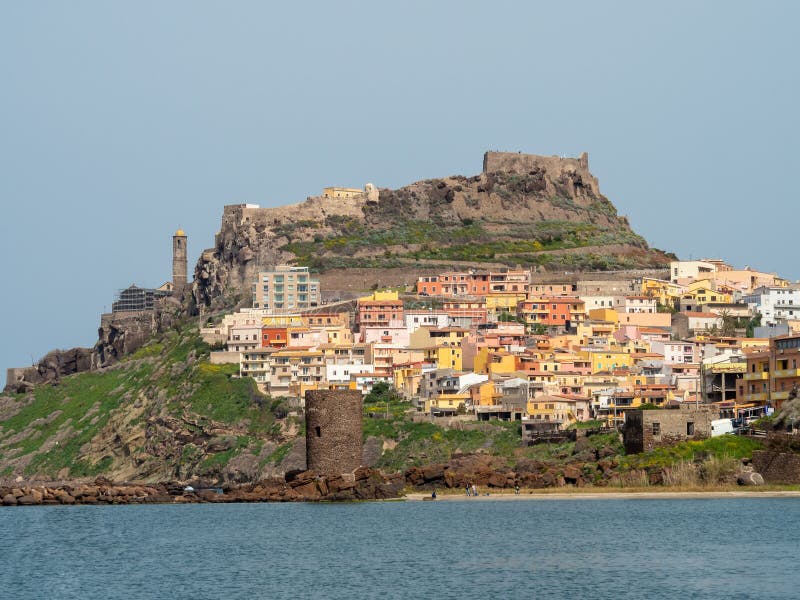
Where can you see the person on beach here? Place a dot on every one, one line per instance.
(466, 489)
(433, 495)
(516, 488)
(474, 490)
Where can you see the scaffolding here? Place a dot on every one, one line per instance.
(134, 299)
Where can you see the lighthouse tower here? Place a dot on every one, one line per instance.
(179, 264)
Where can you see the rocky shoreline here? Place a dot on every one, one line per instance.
(306, 486)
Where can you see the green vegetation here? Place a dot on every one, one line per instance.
(382, 392)
(586, 424)
(71, 425)
(724, 446)
(466, 240)
(423, 443)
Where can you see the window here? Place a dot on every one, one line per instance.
(690, 428)
(656, 428)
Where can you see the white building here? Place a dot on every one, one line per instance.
(775, 304)
(677, 352)
(426, 318)
(639, 304)
(341, 373)
(690, 269)
(242, 338)
(592, 302)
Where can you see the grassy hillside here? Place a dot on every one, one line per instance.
(162, 413)
(347, 242)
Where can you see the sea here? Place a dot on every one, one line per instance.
(480, 548)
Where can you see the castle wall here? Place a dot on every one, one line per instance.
(333, 431)
(522, 163)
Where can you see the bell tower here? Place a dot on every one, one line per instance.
(179, 264)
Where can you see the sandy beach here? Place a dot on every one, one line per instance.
(593, 495)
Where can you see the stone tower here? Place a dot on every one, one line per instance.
(333, 431)
(179, 263)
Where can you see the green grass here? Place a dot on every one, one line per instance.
(221, 397)
(463, 241)
(278, 454)
(74, 397)
(196, 389)
(724, 446)
(586, 424)
(424, 443)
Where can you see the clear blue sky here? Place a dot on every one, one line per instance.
(120, 122)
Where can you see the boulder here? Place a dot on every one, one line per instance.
(497, 480)
(63, 497)
(414, 476)
(9, 500)
(572, 474)
(434, 472)
(749, 478)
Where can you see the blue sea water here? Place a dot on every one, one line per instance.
(706, 548)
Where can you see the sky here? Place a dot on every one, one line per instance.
(120, 122)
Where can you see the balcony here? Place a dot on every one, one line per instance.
(757, 376)
(787, 373)
(755, 397)
(780, 395)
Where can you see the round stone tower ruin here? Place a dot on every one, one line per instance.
(333, 431)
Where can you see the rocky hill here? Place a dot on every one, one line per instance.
(160, 414)
(534, 211)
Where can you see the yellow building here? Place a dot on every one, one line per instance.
(606, 315)
(446, 403)
(607, 360)
(431, 336)
(557, 409)
(407, 379)
(341, 192)
(282, 321)
(665, 292)
(505, 302)
(704, 291)
(444, 357)
(494, 362)
(484, 394)
(381, 296)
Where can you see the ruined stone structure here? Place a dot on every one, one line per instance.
(179, 263)
(516, 162)
(648, 429)
(777, 467)
(333, 431)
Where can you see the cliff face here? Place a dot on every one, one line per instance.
(535, 211)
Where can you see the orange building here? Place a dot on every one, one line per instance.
(376, 313)
(565, 311)
(454, 283)
(274, 337)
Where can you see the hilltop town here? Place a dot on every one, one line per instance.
(499, 345)
(208, 378)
